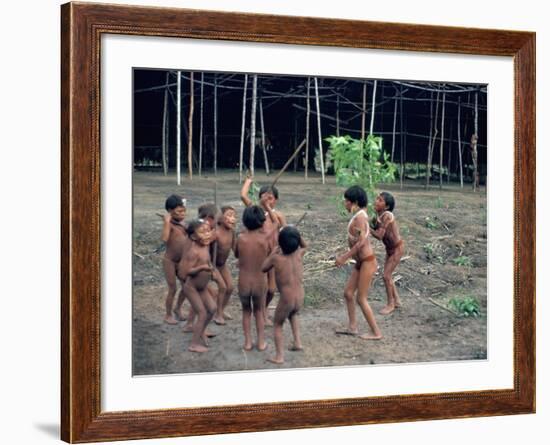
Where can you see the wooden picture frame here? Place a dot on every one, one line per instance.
(82, 26)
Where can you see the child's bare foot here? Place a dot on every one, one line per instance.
(188, 328)
(275, 360)
(370, 337)
(268, 322)
(388, 309)
(219, 321)
(168, 319)
(261, 347)
(204, 339)
(295, 347)
(248, 346)
(198, 348)
(347, 331)
(209, 334)
(179, 316)
(227, 316)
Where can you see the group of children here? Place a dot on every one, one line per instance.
(270, 257)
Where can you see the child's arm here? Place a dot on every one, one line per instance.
(188, 266)
(269, 261)
(342, 259)
(281, 218)
(166, 227)
(385, 221)
(244, 192)
(303, 244)
(236, 248)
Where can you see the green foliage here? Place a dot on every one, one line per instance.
(312, 300)
(253, 192)
(465, 306)
(431, 223)
(464, 261)
(360, 162)
(429, 249)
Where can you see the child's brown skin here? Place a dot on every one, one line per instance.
(251, 249)
(174, 236)
(361, 275)
(195, 267)
(289, 277)
(274, 219)
(225, 237)
(387, 230)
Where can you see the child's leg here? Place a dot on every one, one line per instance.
(271, 286)
(247, 318)
(226, 274)
(281, 314)
(201, 312)
(210, 306)
(258, 305)
(222, 289)
(178, 313)
(368, 268)
(170, 273)
(349, 294)
(295, 325)
(390, 265)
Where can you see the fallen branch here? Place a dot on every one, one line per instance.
(442, 307)
(288, 162)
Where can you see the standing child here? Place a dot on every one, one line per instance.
(269, 195)
(355, 201)
(286, 261)
(174, 236)
(196, 269)
(252, 248)
(387, 230)
(225, 242)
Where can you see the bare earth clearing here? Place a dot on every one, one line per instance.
(438, 226)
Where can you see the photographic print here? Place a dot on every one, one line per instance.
(284, 221)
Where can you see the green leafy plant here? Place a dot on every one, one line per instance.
(360, 162)
(465, 306)
(464, 261)
(431, 223)
(253, 192)
(429, 249)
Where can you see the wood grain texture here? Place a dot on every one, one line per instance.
(82, 26)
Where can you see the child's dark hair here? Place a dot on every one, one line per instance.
(269, 189)
(226, 208)
(174, 201)
(357, 195)
(253, 217)
(193, 225)
(389, 200)
(289, 239)
(208, 210)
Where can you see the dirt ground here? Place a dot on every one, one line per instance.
(437, 226)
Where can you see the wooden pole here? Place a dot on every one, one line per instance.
(393, 133)
(363, 114)
(263, 137)
(308, 111)
(296, 151)
(165, 128)
(319, 130)
(474, 143)
(201, 124)
(253, 123)
(242, 130)
(401, 137)
(431, 150)
(450, 153)
(215, 125)
(441, 144)
(373, 104)
(190, 135)
(178, 140)
(295, 142)
(338, 115)
(459, 148)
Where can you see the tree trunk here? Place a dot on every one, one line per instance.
(441, 144)
(215, 125)
(253, 123)
(165, 128)
(459, 148)
(393, 133)
(308, 111)
(319, 130)
(190, 136)
(263, 137)
(373, 104)
(201, 124)
(178, 140)
(243, 120)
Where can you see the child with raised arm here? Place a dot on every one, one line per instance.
(269, 195)
(355, 201)
(225, 239)
(286, 261)
(174, 236)
(196, 269)
(252, 248)
(387, 230)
